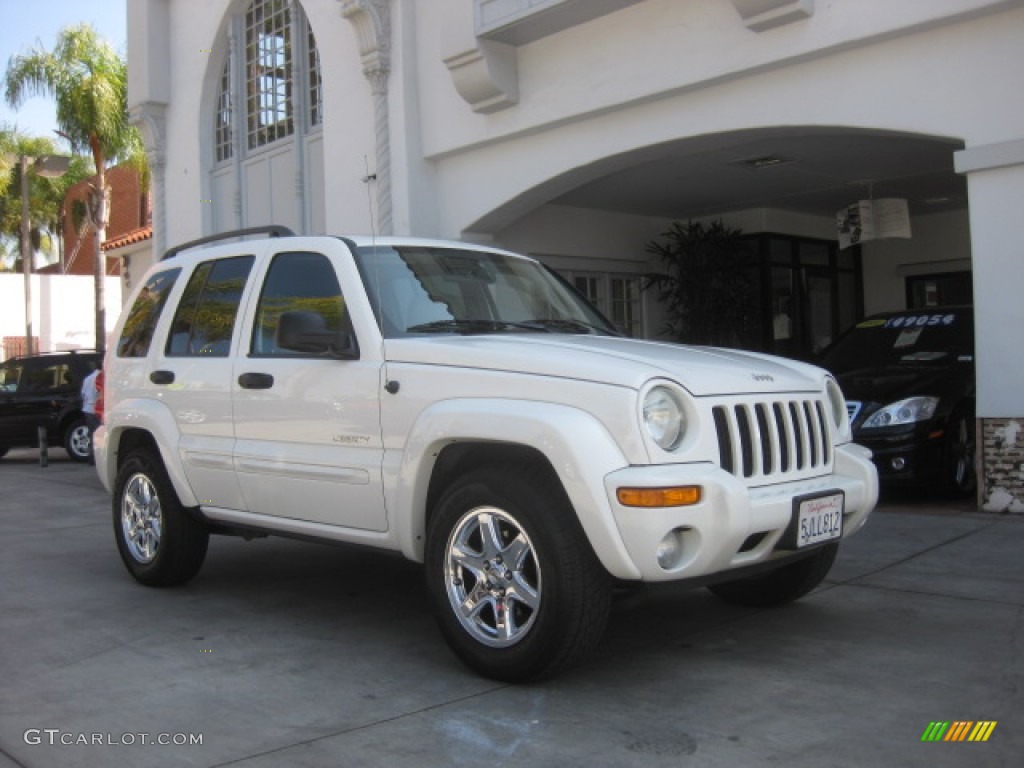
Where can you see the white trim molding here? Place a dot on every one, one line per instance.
(760, 15)
(372, 22)
(989, 156)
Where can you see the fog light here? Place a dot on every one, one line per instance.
(670, 550)
(898, 463)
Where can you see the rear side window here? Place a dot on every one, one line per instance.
(47, 377)
(206, 314)
(9, 375)
(297, 282)
(145, 312)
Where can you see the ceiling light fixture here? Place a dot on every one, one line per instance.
(765, 161)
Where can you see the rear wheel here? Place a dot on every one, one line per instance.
(781, 586)
(517, 590)
(77, 441)
(160, 543)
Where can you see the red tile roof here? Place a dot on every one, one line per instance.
(128, 238)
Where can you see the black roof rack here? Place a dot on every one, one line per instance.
(273, 230)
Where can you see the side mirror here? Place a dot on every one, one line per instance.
(308, 333)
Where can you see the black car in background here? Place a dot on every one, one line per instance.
(908, 378)
(45, 390)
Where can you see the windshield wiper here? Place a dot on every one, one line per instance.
(539, 325)
(565, 325)
(475, 326)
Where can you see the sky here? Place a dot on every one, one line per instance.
(27, 23)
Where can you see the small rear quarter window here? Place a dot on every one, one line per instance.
(145, 312)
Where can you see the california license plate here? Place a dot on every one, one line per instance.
(816, 519)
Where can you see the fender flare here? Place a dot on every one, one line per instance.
(155, 418)
(579, 448)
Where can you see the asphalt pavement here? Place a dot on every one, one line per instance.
(282, 653)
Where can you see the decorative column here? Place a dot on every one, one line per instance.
(151, 120)
(372, 22)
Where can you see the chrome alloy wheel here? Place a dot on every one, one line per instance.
(141, 518)
(79, 442)
(492, 576)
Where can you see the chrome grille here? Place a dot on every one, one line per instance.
(773, 439)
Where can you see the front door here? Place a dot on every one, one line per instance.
(308, 426)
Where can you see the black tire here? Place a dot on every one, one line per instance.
(535, 565)
(161, 544)
(77, 442)
(3, 452)
(781, 586)
(960, 477)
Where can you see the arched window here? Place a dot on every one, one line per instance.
(268, 114)
(222, 129)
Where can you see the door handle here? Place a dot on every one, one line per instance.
(162, 377)
(255, 381)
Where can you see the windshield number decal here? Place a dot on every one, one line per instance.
(920, 321)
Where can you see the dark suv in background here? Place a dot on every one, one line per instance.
(45, 390)
(908, 378)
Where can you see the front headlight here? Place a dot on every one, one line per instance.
(664, 418)
(907, 411)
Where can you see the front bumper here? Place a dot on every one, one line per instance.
(733, 526)
(907, 456)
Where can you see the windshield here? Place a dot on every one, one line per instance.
(422, 290)
(912, 339)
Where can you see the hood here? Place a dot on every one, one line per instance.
(888, 384)
(623, 362)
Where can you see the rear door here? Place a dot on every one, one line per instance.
(308, 431)
(191, 373)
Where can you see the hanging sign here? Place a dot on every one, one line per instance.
(872, 220)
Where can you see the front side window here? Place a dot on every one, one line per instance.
(423, 290)
(205, 319)
(145, 312)
(298, 282)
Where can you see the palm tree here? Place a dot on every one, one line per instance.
(88, 81)
(46, 196)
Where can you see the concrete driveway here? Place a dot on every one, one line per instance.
(289, 654)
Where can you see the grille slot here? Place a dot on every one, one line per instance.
(773, 439)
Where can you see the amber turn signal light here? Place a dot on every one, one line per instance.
(676, 496)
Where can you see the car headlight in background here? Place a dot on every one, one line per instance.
(664, 418)
(908, 411)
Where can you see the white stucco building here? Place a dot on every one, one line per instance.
(578, 130)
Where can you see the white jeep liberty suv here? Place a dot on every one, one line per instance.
(464, 407)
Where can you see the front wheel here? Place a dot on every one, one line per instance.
(161, 544)
(781, 586)
(517, 590)
(961, 479)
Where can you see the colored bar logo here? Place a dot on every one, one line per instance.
(959, 730)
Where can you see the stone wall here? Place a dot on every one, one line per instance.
(1002, 461)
